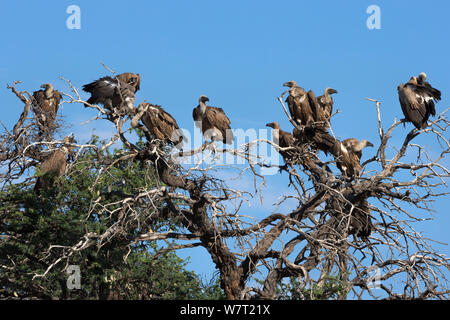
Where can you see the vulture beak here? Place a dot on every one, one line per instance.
(331, 91)
(44, 86)
(269, 125)
(369, 144)
(287, 84)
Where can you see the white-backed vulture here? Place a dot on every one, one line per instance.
(326, 104)
(45, 107)
(212, 121)
(282, 138)
(361, 221)
(159, 123)
(417, 98)
(349, 156)
(112, 93)
(301, 104)
(53, 166)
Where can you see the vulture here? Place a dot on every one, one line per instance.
(53, 166)
(417, 98)
(305, 109)
(349, 156)
(113, 93)
(360, 219)
(212, 121)
(159, 123)
(325, 102)
(282, 138)
(45, 107)
(301, 104)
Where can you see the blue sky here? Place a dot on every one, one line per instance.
(238, 53)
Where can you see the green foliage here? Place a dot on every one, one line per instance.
(30, 224)
(330, 288)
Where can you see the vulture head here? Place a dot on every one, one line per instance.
(273, 125)
(47, 86)
(67, 148)
(290, 84)
(135, 81)
(401, 86)
(132, 79)
(422, 77)
(362, 144)
(330, 91)
(48, 89)
(203, 99)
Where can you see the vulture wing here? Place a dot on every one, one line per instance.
(42, 102)
(162, 125)
(286, 139)
(218, 119)
(427, 95)
(294, 104)
(295, 108)
(326, 105)
(101, 89)
(197, 116)
(57, 97)
(413, 106)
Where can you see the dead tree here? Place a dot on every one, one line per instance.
(340, 228)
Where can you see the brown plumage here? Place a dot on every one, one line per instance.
(113, 93)
(159, 123)
(301, 104)
(325, 102)
(45, 107)
(212, 121)
(53, 166)
(282, 138)
(417, 98)
(318, 137)
(360, 223)
(132, 79)
(349, 156)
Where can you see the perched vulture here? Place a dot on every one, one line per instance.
(159, 123)
(360, 219)
(349, 156)
(54, 166)
(326, 105)
(45, 107)
(301, 104)
(113, 93)
(282, 138)
(417, 98)
(213, 122)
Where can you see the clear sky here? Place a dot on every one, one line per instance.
(238, 53)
